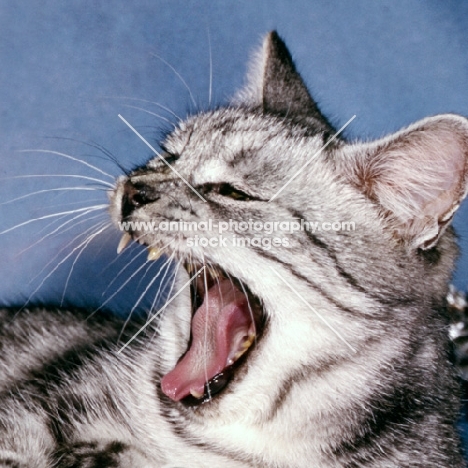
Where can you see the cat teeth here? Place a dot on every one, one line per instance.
(248, 342)
(153, 253)
(125, 239)
(191, 268)
(214, 272)
(244, 347)
(195, 394)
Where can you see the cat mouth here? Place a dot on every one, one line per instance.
(226, 324)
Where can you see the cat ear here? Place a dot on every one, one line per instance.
(274, 84)
(419, 176)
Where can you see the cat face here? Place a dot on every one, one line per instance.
(294, 298)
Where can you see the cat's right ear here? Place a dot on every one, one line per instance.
(275, 86)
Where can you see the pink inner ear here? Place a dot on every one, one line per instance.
(421, 179)
(423, 176)
(419, 176)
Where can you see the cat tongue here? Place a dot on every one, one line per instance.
(222, 330)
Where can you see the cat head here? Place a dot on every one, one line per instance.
(302, 236)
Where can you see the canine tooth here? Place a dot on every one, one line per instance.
(190, 267)
(248, 342)
(244, 347)
(196, 394)
(124, 240)
(214, 273)
(238, 355)
(153, 253)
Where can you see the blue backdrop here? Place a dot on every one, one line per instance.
(67, 69)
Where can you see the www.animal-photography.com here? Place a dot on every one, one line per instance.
(233, 234)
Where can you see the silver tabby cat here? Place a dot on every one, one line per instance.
(307, 348)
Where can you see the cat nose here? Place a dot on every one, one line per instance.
(135, 196)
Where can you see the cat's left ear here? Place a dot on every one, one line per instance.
(419, 176)
(275, 85)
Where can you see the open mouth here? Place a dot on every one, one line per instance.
(227, 320)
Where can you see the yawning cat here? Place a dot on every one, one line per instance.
(307, 327)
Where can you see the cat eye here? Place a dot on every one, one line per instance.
(170, 158)
(228, 190)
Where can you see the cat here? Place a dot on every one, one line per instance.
(288, 341)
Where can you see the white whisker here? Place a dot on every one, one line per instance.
(85, 244)
(150, 113)
(161, 284)
(38, 192)
(148, 102)
(64, 248)
(160, 310)
(79, 202)
(72, 158)
(119, 288)
(178, 76)
(54, 215)
(142, 295)
(167, 269)
(59, 228)
(72, 176)
(58, 265)
(210, 87)
(116, 277)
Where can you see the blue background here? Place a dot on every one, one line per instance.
(67, 69)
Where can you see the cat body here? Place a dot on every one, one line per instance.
(329, 349)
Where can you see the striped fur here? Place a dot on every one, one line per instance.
(352, 368)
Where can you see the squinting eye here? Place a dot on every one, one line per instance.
(228, 190)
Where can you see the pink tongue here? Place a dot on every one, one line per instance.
(219, 328)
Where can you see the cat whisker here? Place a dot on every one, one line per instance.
(64, 248)
(210, 86)
(108, 155)
(161, 283)
(122, 285)
(54, 215)
(166, 266)
(159, 116)
(61, 263)
(72, 158)
(60, 229)
(127, 265)
(49, 225)
(61, 205)
(71, 176)
(60, 189)
(148, 265)
(148, 102)
(85, 244)
(161, 310)
(135, 257)
(178, 76)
